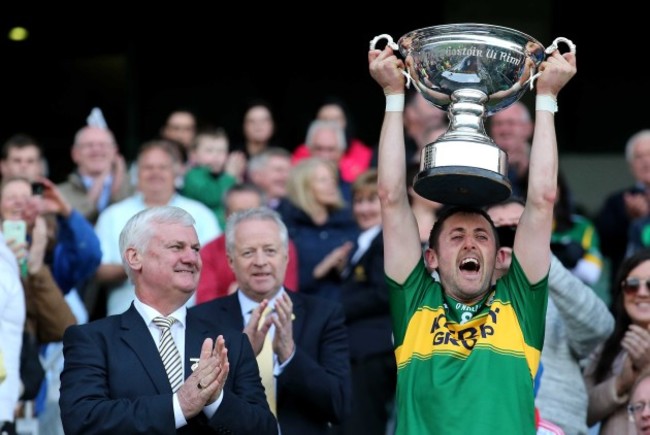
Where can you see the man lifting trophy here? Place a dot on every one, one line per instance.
(472, 71)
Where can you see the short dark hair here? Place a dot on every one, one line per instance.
(19, 141)
(448, 211)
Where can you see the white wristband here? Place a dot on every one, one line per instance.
(395, 103)
(546, 103)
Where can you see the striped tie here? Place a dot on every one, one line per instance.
(169, 353)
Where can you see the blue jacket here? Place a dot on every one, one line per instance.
(313, 242)
(76, 254)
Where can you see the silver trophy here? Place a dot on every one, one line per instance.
(472, 71)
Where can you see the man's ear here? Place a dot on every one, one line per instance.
(503, 259)
(133, 259)
(431, 259)
(74, 154)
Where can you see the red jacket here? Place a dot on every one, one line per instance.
(356, 159)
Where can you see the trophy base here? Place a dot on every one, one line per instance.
(461, 168)
(462, 185)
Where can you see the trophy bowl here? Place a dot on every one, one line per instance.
(471, 71)
(494, 60)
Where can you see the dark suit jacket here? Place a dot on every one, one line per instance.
(613, 226)
(114, 381)
(314, 388)
(364, 294)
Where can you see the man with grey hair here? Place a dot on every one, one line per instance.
(124, 373)
(300, 341)
(269, 170)
(326, 139)
(621, 208)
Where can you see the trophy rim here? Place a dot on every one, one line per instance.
(462, 28)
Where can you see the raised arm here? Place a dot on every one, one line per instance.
(534, 230)
(402, 249)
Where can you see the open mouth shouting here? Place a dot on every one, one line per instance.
(470, 265)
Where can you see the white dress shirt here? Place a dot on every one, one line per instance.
(178, 334)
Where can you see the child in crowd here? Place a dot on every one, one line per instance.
(215, 171)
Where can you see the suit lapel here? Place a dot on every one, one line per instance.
(377, 243)
(231, 312)
(136, 335)
(350, 270)
(300, 315)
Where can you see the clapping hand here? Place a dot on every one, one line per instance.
(636, 342)
(257, 331)
(53, 200)
(336, 259)
(636, 204)
(204, 386)
(283, 344)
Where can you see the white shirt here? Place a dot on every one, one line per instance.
(364, 241)
(178, 334)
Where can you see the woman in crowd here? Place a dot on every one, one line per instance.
(320, 223)
(616, 365)
(47, 312)
(258, 128)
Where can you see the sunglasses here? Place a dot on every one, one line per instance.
(632, 285)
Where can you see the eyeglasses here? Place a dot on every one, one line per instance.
(636, 408)
(632, 285)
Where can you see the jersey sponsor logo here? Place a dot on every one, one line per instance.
(497, 330)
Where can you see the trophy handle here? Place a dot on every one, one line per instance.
(391, 43)
(549, 50)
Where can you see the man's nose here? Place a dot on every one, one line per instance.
(259, 258)
(469, 242)
(190, 255)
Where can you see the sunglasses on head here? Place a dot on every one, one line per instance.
(632, 285)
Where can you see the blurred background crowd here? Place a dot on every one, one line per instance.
(111, 115)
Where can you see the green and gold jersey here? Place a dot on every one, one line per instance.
(467, 369)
